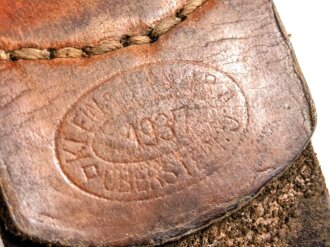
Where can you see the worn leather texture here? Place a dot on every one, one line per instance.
(146, 143)
(77, 23)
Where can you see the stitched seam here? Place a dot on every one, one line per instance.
(161, 27)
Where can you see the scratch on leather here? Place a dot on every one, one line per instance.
(162, 27)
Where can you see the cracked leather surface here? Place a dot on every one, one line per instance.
(77, 23)
(150, 142)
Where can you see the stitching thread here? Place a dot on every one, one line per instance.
(162, 27)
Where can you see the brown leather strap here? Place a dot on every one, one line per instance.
(151, 142)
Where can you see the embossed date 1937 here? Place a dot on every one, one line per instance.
(151, 131)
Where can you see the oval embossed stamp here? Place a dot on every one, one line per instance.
(151, 131)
